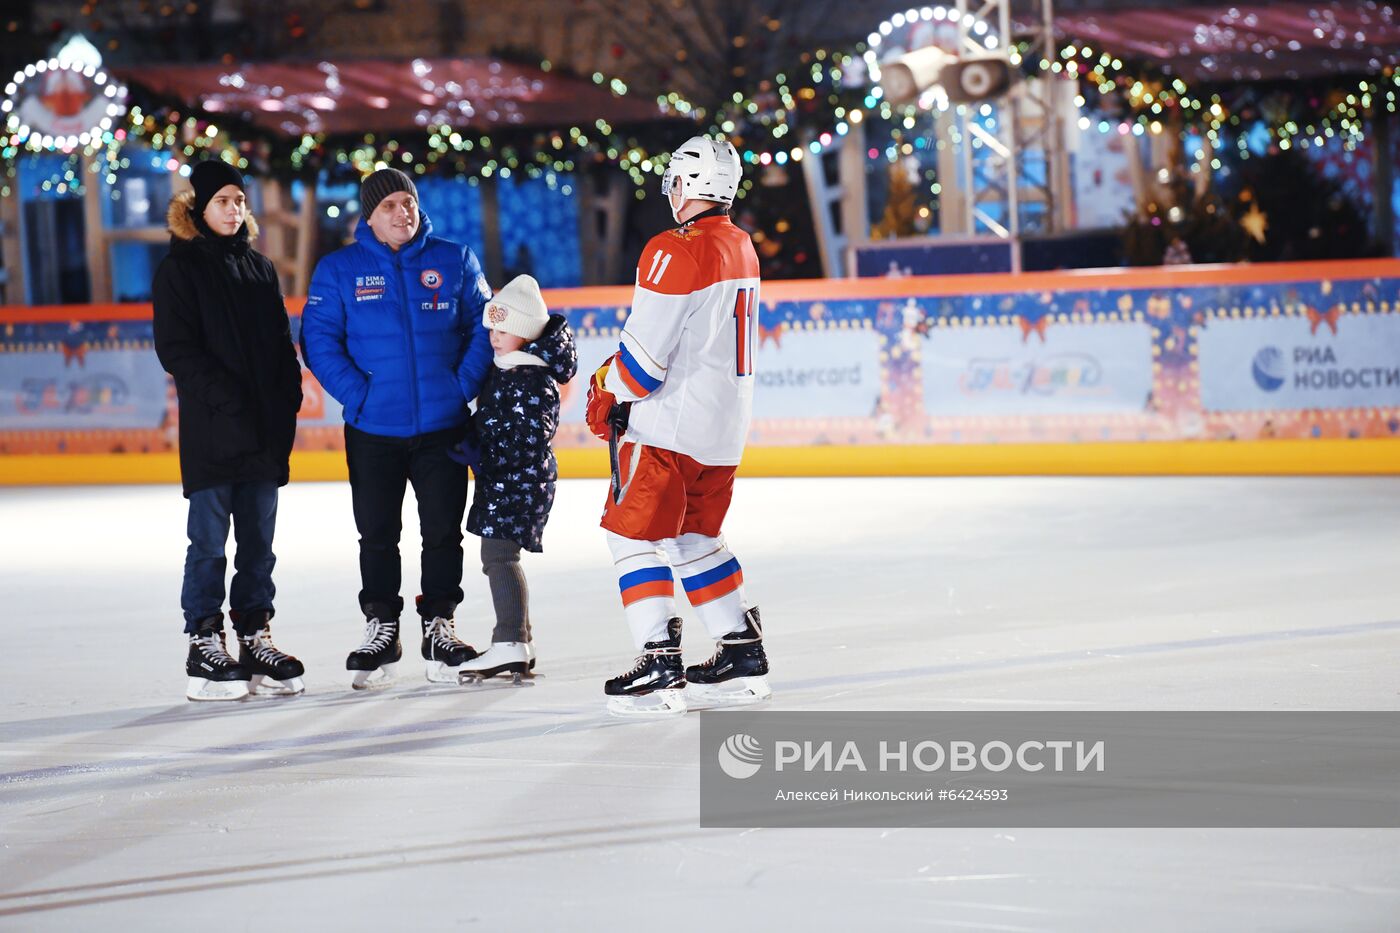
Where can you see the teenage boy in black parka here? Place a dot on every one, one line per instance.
(221, 331)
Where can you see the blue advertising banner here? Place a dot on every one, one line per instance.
(830, 373)
(822, 372)
(932, 257)
(593, 350)
(82, 389)
(1160, 355)
(1030, 370)
(1300, 362)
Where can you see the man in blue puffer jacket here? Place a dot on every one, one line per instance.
(393, 331)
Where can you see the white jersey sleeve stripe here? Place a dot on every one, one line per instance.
(652, 333)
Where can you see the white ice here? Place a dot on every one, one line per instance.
(125, 807)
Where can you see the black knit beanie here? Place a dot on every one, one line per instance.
(380, 185)
(209, 178)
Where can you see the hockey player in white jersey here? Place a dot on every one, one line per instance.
(676, 399)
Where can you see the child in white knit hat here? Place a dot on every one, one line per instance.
(508, 448)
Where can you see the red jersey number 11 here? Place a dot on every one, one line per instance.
(745, 324)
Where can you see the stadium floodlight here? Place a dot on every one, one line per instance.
(965, 79)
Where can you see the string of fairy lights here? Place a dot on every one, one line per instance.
(784, 119)
(1154, 102)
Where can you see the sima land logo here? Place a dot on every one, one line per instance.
(741, 756)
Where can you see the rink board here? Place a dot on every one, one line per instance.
(1289, 368)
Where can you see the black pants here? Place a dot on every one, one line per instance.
(380, 468)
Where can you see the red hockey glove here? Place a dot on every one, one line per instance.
(600, 403)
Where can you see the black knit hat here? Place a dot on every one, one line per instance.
(209, 178)
(380, 185)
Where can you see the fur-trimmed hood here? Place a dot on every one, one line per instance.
(179, 219)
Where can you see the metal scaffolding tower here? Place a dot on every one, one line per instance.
(983, 148)
(995, 193)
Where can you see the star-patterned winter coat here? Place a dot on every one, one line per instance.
(516, 417)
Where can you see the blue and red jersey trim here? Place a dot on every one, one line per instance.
(638, 381)
(714, 583)
(647, 583)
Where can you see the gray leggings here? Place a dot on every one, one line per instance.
(500, 561)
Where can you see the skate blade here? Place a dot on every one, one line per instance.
(263, 686)
(201, 690)
(513, 667)
(659, 704)
(741, 691)
(372, 680)
(489, 678)
(439, 673)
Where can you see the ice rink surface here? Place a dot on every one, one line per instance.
(125, 807)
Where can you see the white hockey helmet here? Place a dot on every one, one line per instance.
(706, 169)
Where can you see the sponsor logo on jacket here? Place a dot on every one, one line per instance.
(369, 287)
(431, 278)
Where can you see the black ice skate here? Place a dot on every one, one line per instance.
(655, 686)
(273, 672)
(374, 661)
(515, 658)
(213, 673)
(737, 674)
(443, 652)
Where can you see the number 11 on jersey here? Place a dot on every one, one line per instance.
(745, 325)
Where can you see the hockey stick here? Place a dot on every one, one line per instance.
(617, 420)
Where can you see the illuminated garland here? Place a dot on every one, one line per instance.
(111, 100)
(786, 118)
(1154, 100)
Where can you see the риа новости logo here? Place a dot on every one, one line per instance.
(740, 756)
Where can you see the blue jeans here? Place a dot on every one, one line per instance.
(253, 509)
